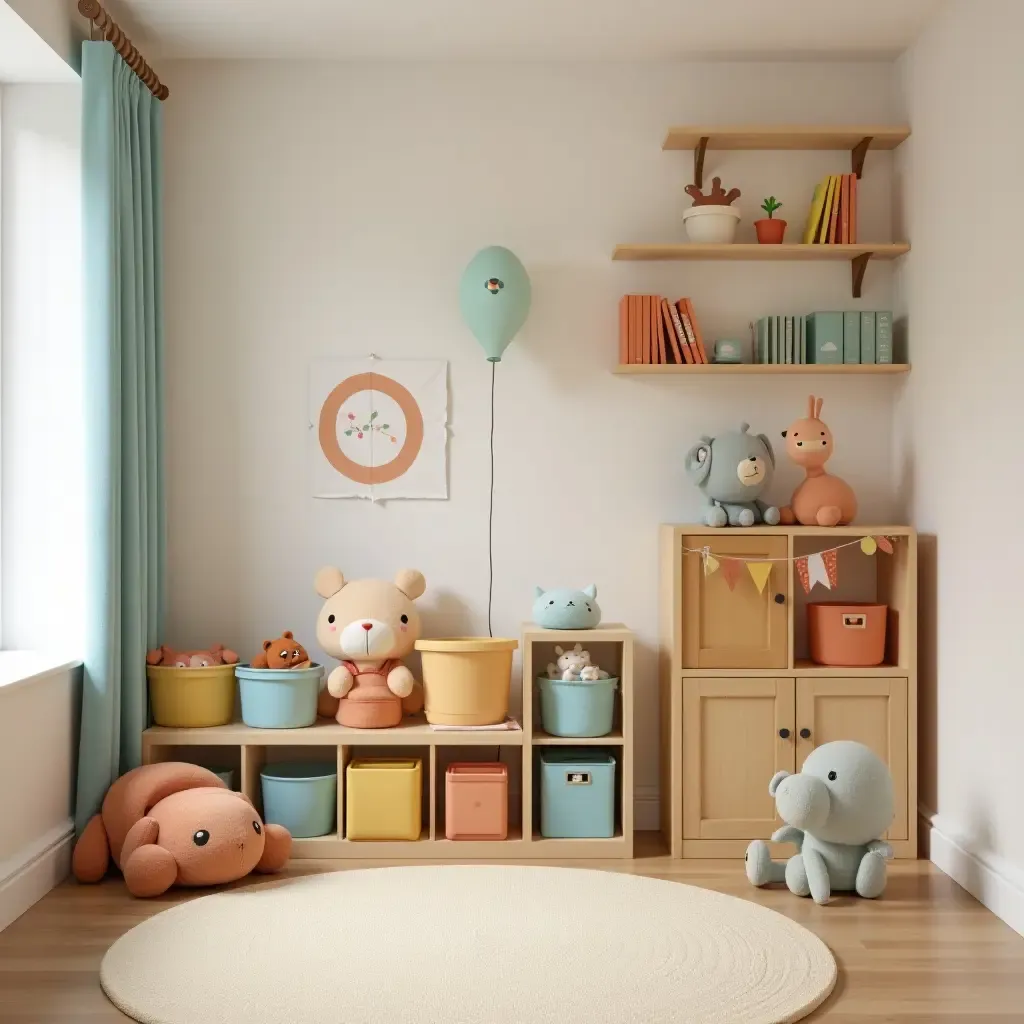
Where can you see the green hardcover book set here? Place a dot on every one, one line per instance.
(854, 336)
(780, 339)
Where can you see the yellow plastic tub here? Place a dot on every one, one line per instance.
(383, 797)
(466, 679)
(192, 698)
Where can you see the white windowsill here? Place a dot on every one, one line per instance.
(20, 668)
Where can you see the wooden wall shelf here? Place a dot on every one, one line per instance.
(770, 369)
(856, 138)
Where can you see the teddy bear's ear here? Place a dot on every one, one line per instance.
(288, 635)
(329, 581)
(411, 583)
(267, 644)
(591, 591)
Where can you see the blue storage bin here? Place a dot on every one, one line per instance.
(577, 794)
(302, 796)
(279, 698)
(570, 707)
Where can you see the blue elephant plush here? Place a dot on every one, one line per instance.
(835, 809)
(733, 470)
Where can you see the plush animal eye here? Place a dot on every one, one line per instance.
(256, 827)
(201, 838)
(295, 653)
(832, 776)
(796, 434)
(551, 602)
(405, 619)
(283, 654)
(589, 609)
(823, 433)
(799, 444)
(330, 618)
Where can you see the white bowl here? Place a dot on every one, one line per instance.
(714, 224)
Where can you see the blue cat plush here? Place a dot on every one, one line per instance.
(566, 608)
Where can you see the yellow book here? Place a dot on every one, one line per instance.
(814, 216)
(831, 195)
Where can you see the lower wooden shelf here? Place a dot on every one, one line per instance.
(766, 369)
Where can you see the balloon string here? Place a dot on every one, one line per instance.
(491, 512)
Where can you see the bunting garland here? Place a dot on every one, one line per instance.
(821, 567)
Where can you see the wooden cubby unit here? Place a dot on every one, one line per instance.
(740, 698)
(247, 750)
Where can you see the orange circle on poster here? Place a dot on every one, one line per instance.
(329, 429)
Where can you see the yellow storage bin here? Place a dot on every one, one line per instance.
(192, 698)
(466, 679)
(383, 796)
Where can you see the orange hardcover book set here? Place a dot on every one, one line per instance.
(655, 330)
(832, 218)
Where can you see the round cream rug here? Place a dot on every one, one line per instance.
(468, 945)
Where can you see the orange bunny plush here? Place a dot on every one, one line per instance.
(822, 499)
(284, 652)
(177, 824)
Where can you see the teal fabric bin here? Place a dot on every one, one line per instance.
(577, 794)
(570, 707)
(302, 796)
(279, 698)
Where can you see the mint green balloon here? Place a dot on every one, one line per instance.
(494, 296)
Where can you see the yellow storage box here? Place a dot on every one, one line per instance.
(192, 698)
(383, 797)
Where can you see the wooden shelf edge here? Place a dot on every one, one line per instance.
(784, 136)
(769, 369)
(754, 251)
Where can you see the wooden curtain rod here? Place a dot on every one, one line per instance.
(111, 31)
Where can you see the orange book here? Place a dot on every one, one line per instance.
(691, 338)
(701, 351)
(684, 342)
(647, 328)
(833, 227)
(631, 346)
(659, 329)
(672, 347)
(844, 211)
(624, 329)
(853, 208)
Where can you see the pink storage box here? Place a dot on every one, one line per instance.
(476, 801)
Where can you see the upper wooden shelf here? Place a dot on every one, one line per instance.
(754, 251)
(858, 139)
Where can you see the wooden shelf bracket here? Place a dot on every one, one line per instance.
(698, 161)
(857, 155)
(858, 265)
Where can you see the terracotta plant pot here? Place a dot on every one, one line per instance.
(770, 231)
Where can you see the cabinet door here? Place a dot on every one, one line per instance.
(742, 627)
(737, 733)
(871, 711)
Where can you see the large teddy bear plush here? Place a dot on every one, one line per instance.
(732, 471)
(835, 809)
(369, 625)
(177, 824)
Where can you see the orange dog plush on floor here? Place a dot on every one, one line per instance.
(177, 824)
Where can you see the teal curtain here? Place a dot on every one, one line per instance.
(123, 321)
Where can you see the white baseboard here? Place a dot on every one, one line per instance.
(991, 880)
(31, 874)
(646, 809)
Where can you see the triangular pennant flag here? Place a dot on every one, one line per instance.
(868, 545)
(831, 560)
(710, 564)
(885, 544)
(801, 571)
(759, 573)
(731, 571)
(816, 572)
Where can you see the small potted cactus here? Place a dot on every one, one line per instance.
(769, 230)
(712, 218)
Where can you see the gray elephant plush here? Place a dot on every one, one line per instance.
(733, 470)
(834, 810)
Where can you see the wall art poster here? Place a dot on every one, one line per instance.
(379, 428)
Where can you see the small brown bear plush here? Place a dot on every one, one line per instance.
(284, 652)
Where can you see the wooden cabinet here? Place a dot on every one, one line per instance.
(871, 711)
(738, 627)
(737, 733)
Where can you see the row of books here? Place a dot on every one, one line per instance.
(833, 214)
(853, 336)
(655, 330)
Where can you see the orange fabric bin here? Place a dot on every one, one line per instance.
(476, 801)
(848, 635)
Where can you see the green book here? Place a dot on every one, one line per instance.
(789, 357)
(851, 336)
(762, 340)
(883, 337)
(780, 343)
(867, 337)
(825, 338)
(803, 340)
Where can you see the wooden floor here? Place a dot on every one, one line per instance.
(927, 951)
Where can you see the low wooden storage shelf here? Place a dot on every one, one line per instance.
(740, 699)
(247, 750)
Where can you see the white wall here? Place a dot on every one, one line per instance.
(57, 23)
(330, 209)
(41, 528)
(959, 461)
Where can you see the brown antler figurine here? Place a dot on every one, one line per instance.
(717, 197)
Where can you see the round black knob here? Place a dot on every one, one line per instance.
(805, 734)
(784, 733)
(780, 598)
